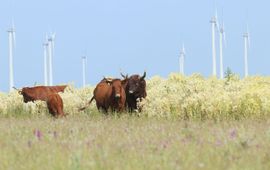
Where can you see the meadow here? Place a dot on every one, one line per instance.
(187, 123)
(127, 142)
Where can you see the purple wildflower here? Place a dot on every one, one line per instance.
(38, 134)
(233, 134)
(219, 143)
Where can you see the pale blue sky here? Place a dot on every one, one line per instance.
(133, 35)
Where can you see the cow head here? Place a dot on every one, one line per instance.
(117, 88)
(136, 86)
(19, 91)
(26, 95)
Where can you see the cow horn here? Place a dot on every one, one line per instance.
(19, 91)
(124, 76)
(144, 75)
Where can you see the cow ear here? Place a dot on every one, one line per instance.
(124, 81)
(108, 81)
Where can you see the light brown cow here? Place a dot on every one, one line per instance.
(55, 105)
(109, 94)
(39, 92)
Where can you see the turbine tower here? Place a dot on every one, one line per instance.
(11, 37)
(214, 23)
(182, 60)
(246, 46)
(221, 40)
(46, 50)
(50, 57)
(84, 70)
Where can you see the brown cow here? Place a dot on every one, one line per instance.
(39, 92)
(135, 91)
(109, 94)
(55, 105)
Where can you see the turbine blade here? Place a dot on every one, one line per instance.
(46, 37)
(14, 39)
(13, 26)
(183, 49)
(224, 39)
(248, 40)
(53, 38)
(217, 22)
(248, 36)
(224, 35)
(13, 33)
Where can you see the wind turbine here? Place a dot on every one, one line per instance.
(12, 41)
(84, 70)
(214, 23)
(46, 45)
(50, 57)
(182, 60)
(246, 47)
(222, 39)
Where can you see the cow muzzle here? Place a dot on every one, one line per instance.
(117, 95)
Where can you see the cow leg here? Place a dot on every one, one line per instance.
(130, 108)
(98, 106)
(60, 113)
(52, 111)
(105, 110)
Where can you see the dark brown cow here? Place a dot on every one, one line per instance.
(39, 92)
(109, 94)
(55, 105)
(135, 91)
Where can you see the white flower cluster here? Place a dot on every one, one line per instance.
(201, 98)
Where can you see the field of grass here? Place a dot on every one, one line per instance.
(131, 142)
(187, 123)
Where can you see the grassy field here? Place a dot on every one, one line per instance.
(129, 142)
(187, 123)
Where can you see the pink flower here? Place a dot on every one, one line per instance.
(219, 143)
(38, 134)
(233, 134)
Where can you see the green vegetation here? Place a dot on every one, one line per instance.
(187, 123)
(128, 142)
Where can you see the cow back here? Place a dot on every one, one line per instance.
(102, 94)
(40, 92)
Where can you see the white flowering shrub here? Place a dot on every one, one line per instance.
(193, 97)
(198, 97)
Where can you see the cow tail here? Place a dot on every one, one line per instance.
(83, 108)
